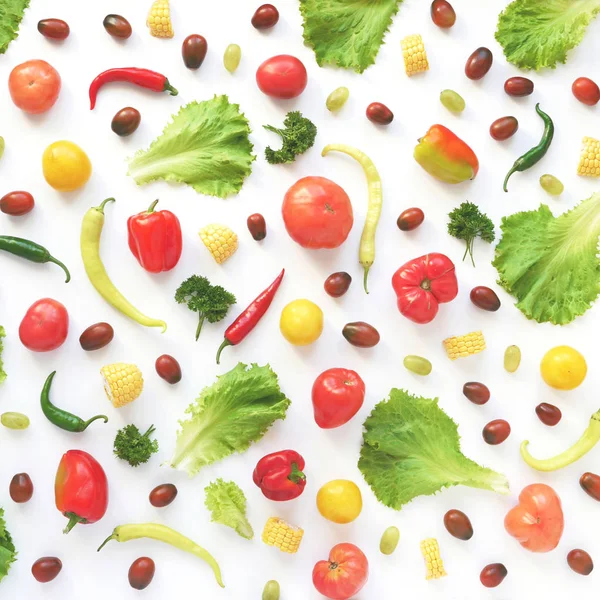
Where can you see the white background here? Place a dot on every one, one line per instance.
(56, 221)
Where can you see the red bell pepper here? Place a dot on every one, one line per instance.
(279, 475)
(422, 284)
(80, 489)
(155, 239)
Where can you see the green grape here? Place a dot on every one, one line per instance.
(552, 185)
(271, 591)
(337, 99)
(232, 57)
(389, 540)
(417, 364)
(2, 146)
(512, 358)
(14, 420)
(452, 101)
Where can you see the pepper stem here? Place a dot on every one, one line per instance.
(201, 318)
(224, 345)
(296, 476)
(169, 88)
(365, 279)
(73, 520)
(89, 421)
(513, 170)
(112, 536)
(152, 207)
(57, 262)
(101, 207)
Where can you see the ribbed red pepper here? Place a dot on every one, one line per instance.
(279, 475)
(155, 239)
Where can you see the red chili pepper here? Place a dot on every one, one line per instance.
(155, 239)
(142, 77)
(248, 320)
(279, 475)
(80, 489)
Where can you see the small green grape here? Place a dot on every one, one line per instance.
(452, 101)
(512, 358)
(271, 591)
(232, 57)
(2, 146)
(337, 98)
(417, 365)
(14, 420)
(389, 540)
(552, 185)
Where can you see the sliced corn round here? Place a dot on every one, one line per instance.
(123, 383)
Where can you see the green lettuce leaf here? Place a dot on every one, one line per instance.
(536, 34)
(412, 448)
(549, 263)
(8, 554)
(347, 33)
(227, 504)
(2, 372)
(11, 15)
(205, 146)
(228, 417)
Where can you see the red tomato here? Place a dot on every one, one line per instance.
(537, 522)
(44, 326)
(422, 284)
(586, 91)
(337, 395)
(343, 575)
(317, 213)
(34, 86)
(282, 76)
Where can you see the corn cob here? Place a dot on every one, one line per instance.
(220, 240)
(122, 383)
(589, 162)
(415, 57)
(430, 549)
(159, 19)
(464, 345)
(280, 534)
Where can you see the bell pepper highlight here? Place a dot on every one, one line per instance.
(279, 475)
(445, 156)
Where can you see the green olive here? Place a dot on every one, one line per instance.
(512, 358)
(453, 101)
(232, 57)
(417, 365)
(389, 540)
(271, 591)
(14, 420)
(552, 185)
(337, 99)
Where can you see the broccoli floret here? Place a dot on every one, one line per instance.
(467, 222)
(211, 302)
(132, 446)
(298, 136)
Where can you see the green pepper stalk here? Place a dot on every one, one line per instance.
(582, 446)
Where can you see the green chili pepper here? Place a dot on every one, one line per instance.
(162, 533)
(61, 418)
(30, 251)
(536, 154)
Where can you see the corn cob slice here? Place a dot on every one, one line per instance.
(415, 57)
(464, 345)
(430, 549)
(221, 241)
(280, 534)
(122, 383)
(159, 19)
(589, 162)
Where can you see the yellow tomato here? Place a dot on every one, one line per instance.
(66, 166)
(339, 501)
(301, 322)
(563, 368)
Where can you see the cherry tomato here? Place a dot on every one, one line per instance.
(55, 29)
(337, 284)
(476, 392)
(168, 369)
(141, 573)
(586, 91)
(34, 86)
(117, 26)
(503, 128)
(479, 63)
(126, 121)
(493, 575)
(485, 298)
(410, 219)
(46, 569)
(337, 395)
(590, 484)
(563, 368)
(96, 336)
(496, 432)
(580, 562)
(518, 86)
(17, 203)
(265, 17)
(257, 226)
(162, 495)
(458, 525)
(317, 213)
(282, 76)
(343, 575)
(537, 522)
(548, 414)
(379, 113)
(193, 50)
(45, 326)
(21, 488)
(442, 13)
(361, 334)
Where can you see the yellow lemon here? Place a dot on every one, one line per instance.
(339, 501)
(66, 166)
(563, 368)
(301, 322)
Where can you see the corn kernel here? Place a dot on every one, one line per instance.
(159, 19)
(430, 550)
(122, 383)
(589, 162)
(464, 345)
(415, 57)
(280, 534)
(221, 241)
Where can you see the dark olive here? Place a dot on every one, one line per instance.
(265, 17)
(476, 392)
(548, 414)
(458, 525)
(337, 284)
(590, 483)
(46, 569)
(479, 63)
(496, 432)
(485, 298)
(361, 334)
(580, 562)
(17, 203)
(194, 50)
(54, 29)
(410, 219)
(141, 573)
(442, 14)
(493, 575)
(168, 369)
(162, 495)
(117, 26)
(257, 226)
(379, 113)
(518, 86)
(126, 121)
(96, 336)
(21, 488)
(503, 128)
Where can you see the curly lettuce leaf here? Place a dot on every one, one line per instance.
(11, 15)
(205, 146)
(549, 263)
(347, 33)
(227, 505)
(8, 554)
(2, 372)
(537, 34)
(411, 448)
(228, 417)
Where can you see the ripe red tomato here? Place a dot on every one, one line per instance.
(34, 86)
(586, 91)
(45, 326)
(343, 575)
(282, 76)
(337, 395)
(317, 213)
(537, 522)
